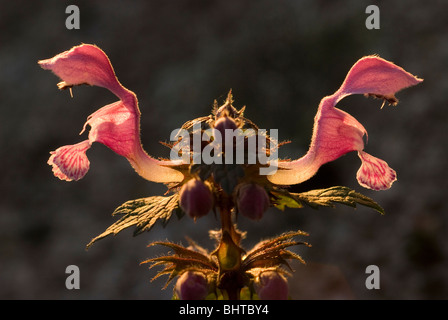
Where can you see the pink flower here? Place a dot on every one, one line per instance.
(336, 133)
(116, 125)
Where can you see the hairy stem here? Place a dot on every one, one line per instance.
(229, 252)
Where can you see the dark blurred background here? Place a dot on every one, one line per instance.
(279, 58)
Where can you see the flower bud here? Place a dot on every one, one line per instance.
(220, 125)
(192, 285)
(223, 123)
(252, 201)
(196, 199)
(271, 285)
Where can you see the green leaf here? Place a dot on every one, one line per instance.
(281, 201)
(328, 197)
(142, 213)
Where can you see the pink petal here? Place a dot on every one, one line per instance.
(336, 132)
(84, 64)
(70, 162)
(376, 76)
(117, 127)
(375, 173)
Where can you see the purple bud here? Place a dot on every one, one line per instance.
(192, 285)
(223, 123)
(196, 199)
(271, 285)
(252, 201)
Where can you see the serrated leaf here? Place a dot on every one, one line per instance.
(270, 253)
(328, 198)
(142, 213)
(183, 259)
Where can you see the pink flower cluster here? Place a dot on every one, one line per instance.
(117, 125)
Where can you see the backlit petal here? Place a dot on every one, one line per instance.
(335, 133)
(117, 127)
(374, 75)
(375, 173)
(70, 162)
(84, 64)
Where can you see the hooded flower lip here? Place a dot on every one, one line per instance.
(116, 125)
(336, 133)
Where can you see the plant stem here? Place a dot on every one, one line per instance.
(229, 252)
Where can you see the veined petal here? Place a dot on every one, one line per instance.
(336, 132)
(116, 125)
(70, 162)
(375, 173)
